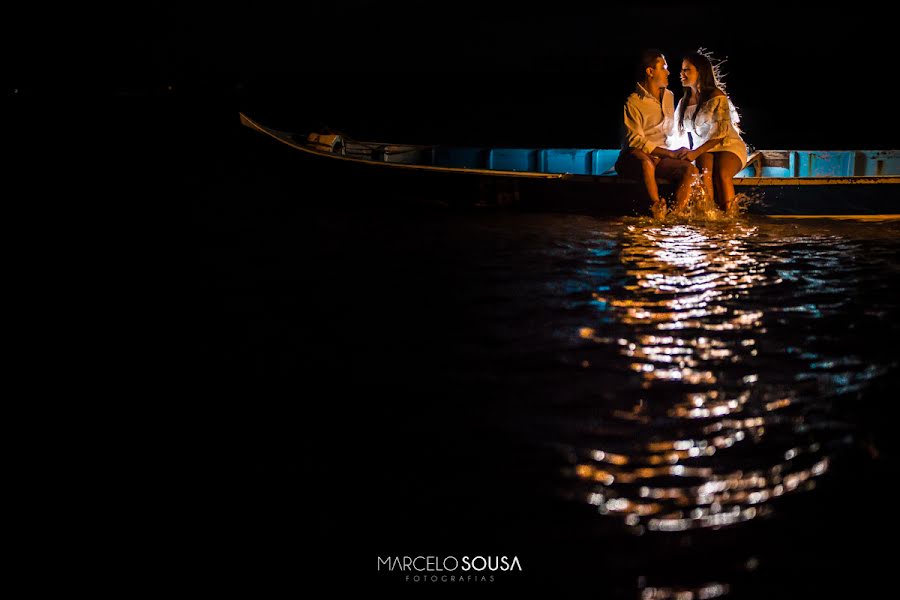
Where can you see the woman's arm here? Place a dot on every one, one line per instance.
(721, 117)
(692, 155)
(666, 153)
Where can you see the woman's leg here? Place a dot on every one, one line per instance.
(706, 164)
(727, 164)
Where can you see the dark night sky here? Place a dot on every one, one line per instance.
(799, 74)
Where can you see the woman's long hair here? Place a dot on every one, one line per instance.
(708, 81)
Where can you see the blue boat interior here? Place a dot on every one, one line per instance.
(587, 161)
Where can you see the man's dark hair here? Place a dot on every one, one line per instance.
(646, 61)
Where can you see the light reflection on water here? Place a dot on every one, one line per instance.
(693, 377)
(718, 366)
(681, 460)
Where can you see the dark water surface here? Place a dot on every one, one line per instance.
(631, 408)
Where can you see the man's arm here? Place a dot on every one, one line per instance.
(635, 138)
(634, 130)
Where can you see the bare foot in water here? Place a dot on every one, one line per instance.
(682, 210)
(731, 208)
(659, 209)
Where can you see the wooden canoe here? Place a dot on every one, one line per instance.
(782, 183)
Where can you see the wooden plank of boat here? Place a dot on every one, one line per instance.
(289, 139)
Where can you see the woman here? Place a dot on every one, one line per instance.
(706, 113)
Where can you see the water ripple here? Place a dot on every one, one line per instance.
(712, 419)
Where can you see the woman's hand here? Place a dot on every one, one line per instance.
(685, 154)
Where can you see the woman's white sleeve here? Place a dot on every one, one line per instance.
(720, 117)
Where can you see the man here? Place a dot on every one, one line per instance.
(649, 120)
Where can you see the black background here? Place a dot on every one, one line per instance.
(227, 491)
(803, 75)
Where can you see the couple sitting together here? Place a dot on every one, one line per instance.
(700, 135)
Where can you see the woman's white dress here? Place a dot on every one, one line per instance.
(717, 116)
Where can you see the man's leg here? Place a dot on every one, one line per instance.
(637, 164)
(682, 173)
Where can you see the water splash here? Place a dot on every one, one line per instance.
(701, 207)
(741, 204)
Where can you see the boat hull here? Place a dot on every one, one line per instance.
(436, 177)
